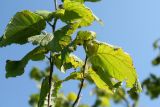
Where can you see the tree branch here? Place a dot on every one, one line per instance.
(55, 4)
(51, 60)
(50, 81)
(82, 83)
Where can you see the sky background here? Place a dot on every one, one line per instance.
(131, 24)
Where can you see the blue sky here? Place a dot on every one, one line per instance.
(131, 24)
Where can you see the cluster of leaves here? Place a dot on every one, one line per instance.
(103, 98)
(106, 65)
(61, 100)
(156, 45)
(152, 83)
(152, 86)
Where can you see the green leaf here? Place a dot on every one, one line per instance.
(71, 61)
(23, 25)
(74, 76)
(41, 40)
(81, 1)
(62, 37)
(156, 44)
(59, 13)
(98, 19)
(113, 61)
(156, 61)
(16, 68)
(34, 98)
(83, 36)
(77, 12)
(47, 15)
(71, 96)
(45, 89)
(36, 74)
(100, 81)
(151, 85)
(119, 95)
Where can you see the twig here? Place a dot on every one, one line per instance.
(49, 23)
(55, 4)
(51, 60)
(124, 99)
(54, 25)
(82, 83)
(50, 81)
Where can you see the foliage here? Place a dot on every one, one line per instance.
(152, 83)
(107, 66)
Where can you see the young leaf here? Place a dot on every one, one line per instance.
(62, 37)
(41, 40)
(83, 36)
(100, 81)
(113, 61)
(47, 15)
(36, 74)
(71, 61)
(23, 25)
(71, 96)
(77, 12)
(74, 76)
(59, 13)
(16, 68)
(33, 100)
(81, 1)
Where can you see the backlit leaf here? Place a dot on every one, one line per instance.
(71, 61)
(77, 12)
(83, 36)
(23, 25)
(113, 61)
(102, 83)
(47, 15)
(62, 37)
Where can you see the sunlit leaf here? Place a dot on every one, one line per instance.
(102, 83)
(113, 61)
(74, 76)
(62, 37)
(23, 25)
(47, 15)
(72, 96)
(77, 12)
(83, 36)
(71, 61)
